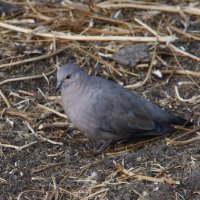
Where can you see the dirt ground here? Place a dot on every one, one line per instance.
(42, 156)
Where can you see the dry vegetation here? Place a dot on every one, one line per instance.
(41, 155)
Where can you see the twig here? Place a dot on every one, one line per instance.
(185, 134)
(21, 193)
(21, 114)
(61, 35)
(18, 148)
(33, 95)
(147, 178)
(67, 192)
(176, 59)
(54, 125)
(5, 99)
(41, 137)
(55, 192)
(21, 62)
(179, 143)
(187, 35)
(160, 7)
(185, 83)
(181, 128)
(47, 139)
(128, 72)
(43, 17)
(45, 166)
(130, 147)
(48, 115)
(141, 197)
(184, 52)
(94, 194)
(51, 110)
(148, 28)
(26, 77)
(181, 72)
(2, 180)
(16, 113)
(197, 192)
(194, 99)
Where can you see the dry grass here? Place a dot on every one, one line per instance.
(90, 32)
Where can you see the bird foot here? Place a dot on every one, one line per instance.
(103, 147)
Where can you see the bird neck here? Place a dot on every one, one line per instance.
(77, 87)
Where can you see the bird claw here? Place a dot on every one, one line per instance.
(103, 147)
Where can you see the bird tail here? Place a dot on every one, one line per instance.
(158, 130)
(176, 120)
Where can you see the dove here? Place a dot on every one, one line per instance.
(107, 112)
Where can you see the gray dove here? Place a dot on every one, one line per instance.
(108, 112)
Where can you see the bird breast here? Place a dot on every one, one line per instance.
(78, 107)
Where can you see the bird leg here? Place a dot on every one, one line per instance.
(103, 146)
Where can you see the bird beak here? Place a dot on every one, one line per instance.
(58, 86)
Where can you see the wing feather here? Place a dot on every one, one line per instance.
(119, 111)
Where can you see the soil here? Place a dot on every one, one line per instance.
(69, 168)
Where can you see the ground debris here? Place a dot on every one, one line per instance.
(132, 55)
(42, 156)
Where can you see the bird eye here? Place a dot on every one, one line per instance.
(68, 76)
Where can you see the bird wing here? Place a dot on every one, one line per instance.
(120, 111)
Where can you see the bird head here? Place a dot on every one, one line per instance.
(67, 74)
